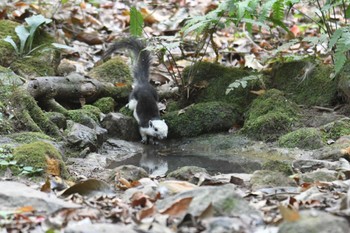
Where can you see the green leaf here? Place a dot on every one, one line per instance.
(23, 35)
(4, 163)
(14, 45)
(339, 61)
(335, 37)
(34, 22)
(63, 46)
(347, 12)
(136, 22)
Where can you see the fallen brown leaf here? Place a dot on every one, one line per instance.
(147, 212)
(178, 208)
(46, 187)
(52, 166)
(25, 209)
(140, 199)
(259, 92)
(289, 214)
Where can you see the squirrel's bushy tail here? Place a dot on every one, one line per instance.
(142, 56)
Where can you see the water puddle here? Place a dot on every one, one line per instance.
(158, 162)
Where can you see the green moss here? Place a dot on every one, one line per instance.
(126, 111)
(336, 129)
(41, 62)
(316, 88)
(7, 53)
(28, 137)
(305, 138)
(270, 116)
(93, 111)
(36, 65)
(213, 80)
(105, 104)
(84, 114)
(201, 118)
(277, 165)
(173, 105)
(35, 155)
(114, 71)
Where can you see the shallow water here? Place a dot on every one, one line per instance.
(159, 161)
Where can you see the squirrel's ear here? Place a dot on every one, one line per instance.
(150, 123)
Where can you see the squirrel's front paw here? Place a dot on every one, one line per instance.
(144, 141)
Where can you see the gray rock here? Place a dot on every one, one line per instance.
(319, 175)
(223, 200)
(306, 165)
(117, 150)
(58, 118)
(92, 166)
(98, 227)
(121, 126)
(187, 173)
(314, 221)
(225, 225)
(129, 172)
(101, 134)
(15, 195)
(268, 179)
(81, 136)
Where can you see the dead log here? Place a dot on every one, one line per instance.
(73, 88)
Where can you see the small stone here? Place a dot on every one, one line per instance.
(314, 221)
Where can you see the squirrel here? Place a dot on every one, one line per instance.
(143, 100)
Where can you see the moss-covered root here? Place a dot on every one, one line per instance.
(41, 155)
(31, 115)
(201, 118)
(270, 116)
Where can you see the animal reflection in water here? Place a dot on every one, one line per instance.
(155, 165)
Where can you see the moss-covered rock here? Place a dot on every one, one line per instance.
(83, 117)
(315, 221)
(92, 111)
(114, 71)
(126, 111)
(59, 119)
(105, 104)
(277, 165)
(201, 118)
(211, 81)
(305, 82)
(38, 154)
(9, 78)
(336, 129)
(305, 138)
(270, 116)
(269, 179)
(318, 175)
(187, 173)
(86, 115)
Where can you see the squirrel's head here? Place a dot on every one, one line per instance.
(159, 128)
